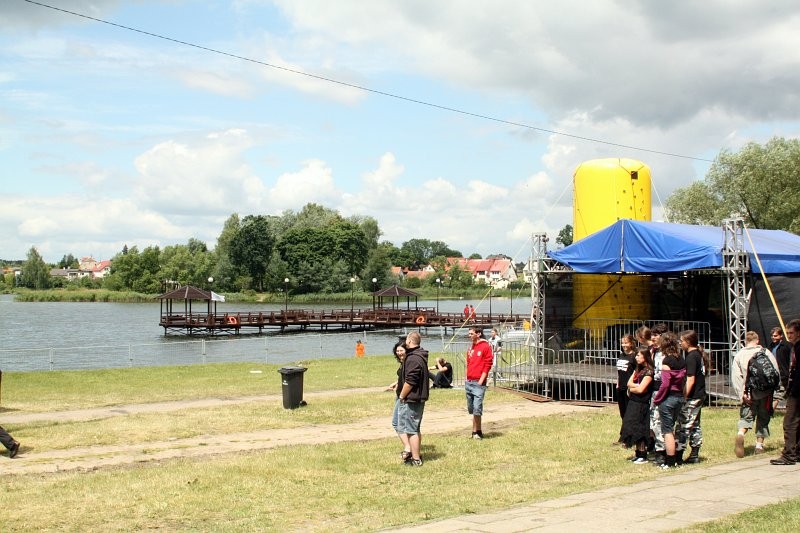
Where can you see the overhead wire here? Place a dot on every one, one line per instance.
(371, 90)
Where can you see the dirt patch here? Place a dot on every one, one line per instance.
(437, 421)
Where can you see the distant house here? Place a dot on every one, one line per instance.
(96, 269)
(70, 273)
(101, 269)
(403, 272)
(498, 273)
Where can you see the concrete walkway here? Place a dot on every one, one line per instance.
(686, 496)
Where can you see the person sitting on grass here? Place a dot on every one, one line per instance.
(443, 378)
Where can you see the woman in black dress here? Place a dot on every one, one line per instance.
(636, 424)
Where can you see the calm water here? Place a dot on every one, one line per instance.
(62, 335)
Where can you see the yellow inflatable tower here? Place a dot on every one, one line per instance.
(605, 191)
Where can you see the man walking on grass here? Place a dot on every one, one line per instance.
(479, 364)
(413, 395)
(756, 406)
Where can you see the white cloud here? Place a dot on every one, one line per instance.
(206, 175)
(312, 183)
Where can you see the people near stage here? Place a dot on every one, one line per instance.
(626, 364)
(360, 348)
(755, 406)
(441, 374)
(655, 418)
(636, 423)
(791, 417)
(669, 397)
(690, 433)
(782, 351)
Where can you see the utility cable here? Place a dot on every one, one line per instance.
(373, 91)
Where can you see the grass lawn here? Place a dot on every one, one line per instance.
(347, 485)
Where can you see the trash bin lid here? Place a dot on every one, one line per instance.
(292, 369)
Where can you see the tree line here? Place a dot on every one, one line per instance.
(318, 250)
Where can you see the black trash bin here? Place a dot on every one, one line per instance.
(292, 380)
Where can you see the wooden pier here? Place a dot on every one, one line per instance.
(233, 322)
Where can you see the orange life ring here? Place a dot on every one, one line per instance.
(420, 319)
(232, 320)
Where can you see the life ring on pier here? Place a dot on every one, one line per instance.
(232, 320)
(420, 319)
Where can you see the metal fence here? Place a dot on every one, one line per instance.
(583, 368)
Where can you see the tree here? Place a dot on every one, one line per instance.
(68, 261)
(475, 256)
(565, 236)
(251, 248)
(416, 253)
(224, 272)
(758, 183)
(35, 273)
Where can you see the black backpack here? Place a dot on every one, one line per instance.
(762, 374)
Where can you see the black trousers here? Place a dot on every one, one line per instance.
(5, 438)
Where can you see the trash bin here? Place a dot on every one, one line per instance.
(292, 380)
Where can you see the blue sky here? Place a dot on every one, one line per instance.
(109, 137)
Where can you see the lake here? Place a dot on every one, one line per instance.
(68, 336)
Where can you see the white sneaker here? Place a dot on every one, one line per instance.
(640, 461)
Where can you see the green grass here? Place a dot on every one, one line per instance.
(347, 485)
(781, 517)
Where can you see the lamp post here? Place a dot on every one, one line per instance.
(438, 284)
(285, 294)
(374, 290)
(210, 283)
(352, 296)
(512, 301)
(491, 287)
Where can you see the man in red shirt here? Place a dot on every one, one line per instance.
(479, 364)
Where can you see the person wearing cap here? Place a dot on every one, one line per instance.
(479, 364)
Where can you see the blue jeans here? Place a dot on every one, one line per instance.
(409, 417)
(669, 410)
(475, 394)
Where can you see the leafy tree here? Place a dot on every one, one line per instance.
(189, 264)
(758, 183)
(137, 271)
(224, 272)
(349, 245)
(475, 256)
(68, 261)
(251, 248)
(35, 272)
(416, 253)
(565, 236)
(379, 266)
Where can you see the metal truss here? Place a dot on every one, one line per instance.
(735, 264)
(538, 270)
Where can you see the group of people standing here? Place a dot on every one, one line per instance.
(660, 391)
(413, 386)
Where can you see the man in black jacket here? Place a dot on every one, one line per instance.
(791, 419)
(413, 395)
(782, 351)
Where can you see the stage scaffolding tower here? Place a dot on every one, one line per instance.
(735, 264)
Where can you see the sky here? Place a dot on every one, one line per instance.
(457, 120)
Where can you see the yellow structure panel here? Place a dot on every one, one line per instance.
(605, 191)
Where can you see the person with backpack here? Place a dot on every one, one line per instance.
(753, 378)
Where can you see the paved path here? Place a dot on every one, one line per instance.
(688, 496)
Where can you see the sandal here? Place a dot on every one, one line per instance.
(405, 456)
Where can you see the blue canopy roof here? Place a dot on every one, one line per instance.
(636, 246)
